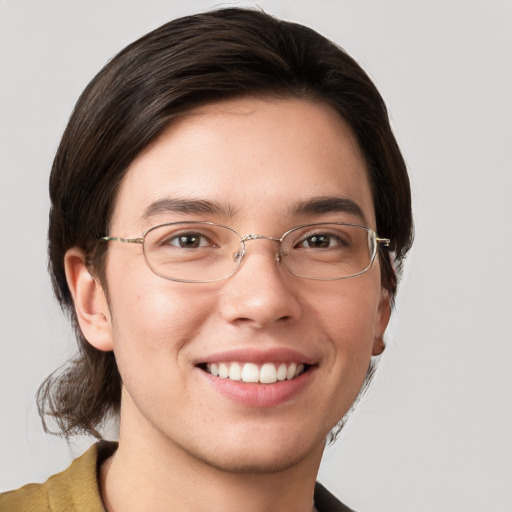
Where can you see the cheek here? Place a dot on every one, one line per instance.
(153, 330)
(157, 318)
(153, 319)
(348, 315)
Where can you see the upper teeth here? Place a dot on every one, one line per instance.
(266, 373)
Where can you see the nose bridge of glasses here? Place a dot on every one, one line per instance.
(241, 253)
(259, 237)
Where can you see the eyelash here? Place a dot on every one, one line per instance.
(176, 237)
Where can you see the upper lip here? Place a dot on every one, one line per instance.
(258, 356)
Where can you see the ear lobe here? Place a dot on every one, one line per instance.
(90, 302)
(381, 322)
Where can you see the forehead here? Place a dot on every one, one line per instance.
(253, 158)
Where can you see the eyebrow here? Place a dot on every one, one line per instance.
(329, 204)
(316, 206)
(180, 205)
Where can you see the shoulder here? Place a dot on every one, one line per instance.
(327, 502)
(75, 489)
(31, 497)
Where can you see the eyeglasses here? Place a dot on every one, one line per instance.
(205, 252)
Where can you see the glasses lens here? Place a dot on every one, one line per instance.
(192, 251)
(329, 251)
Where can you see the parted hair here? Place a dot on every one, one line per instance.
(181, 65)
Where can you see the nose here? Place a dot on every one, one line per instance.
(262, 292)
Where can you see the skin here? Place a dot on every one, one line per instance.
(257, 158)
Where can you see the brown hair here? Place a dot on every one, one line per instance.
(183, 64)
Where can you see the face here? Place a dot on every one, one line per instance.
(252, 162)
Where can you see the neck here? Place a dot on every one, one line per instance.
(152, 473)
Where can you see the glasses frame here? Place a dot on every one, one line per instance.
(379, 242)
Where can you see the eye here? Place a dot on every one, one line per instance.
(188, 241)
(322, 241)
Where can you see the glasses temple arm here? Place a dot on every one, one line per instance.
(384, 242)
(119, 239)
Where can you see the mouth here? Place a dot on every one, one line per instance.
(265, 373)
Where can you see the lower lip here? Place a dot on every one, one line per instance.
(260, 395)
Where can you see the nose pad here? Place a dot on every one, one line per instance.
(238, 255)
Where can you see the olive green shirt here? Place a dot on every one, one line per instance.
(76, 489)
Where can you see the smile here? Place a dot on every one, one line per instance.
(266, 373)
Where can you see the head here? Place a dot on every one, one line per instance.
(185, 67)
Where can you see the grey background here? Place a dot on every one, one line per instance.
(433, 433)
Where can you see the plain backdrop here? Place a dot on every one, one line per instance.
(434, 431)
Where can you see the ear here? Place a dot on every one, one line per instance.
(381, 322)
(91, 304)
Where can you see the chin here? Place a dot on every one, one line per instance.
(258, 463)
(261, 454)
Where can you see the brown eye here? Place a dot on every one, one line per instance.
(321, 241)
(318, 241)
(188, 241)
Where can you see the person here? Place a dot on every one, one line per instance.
(229, 215)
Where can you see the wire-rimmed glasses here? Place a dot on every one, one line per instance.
(205, 252)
